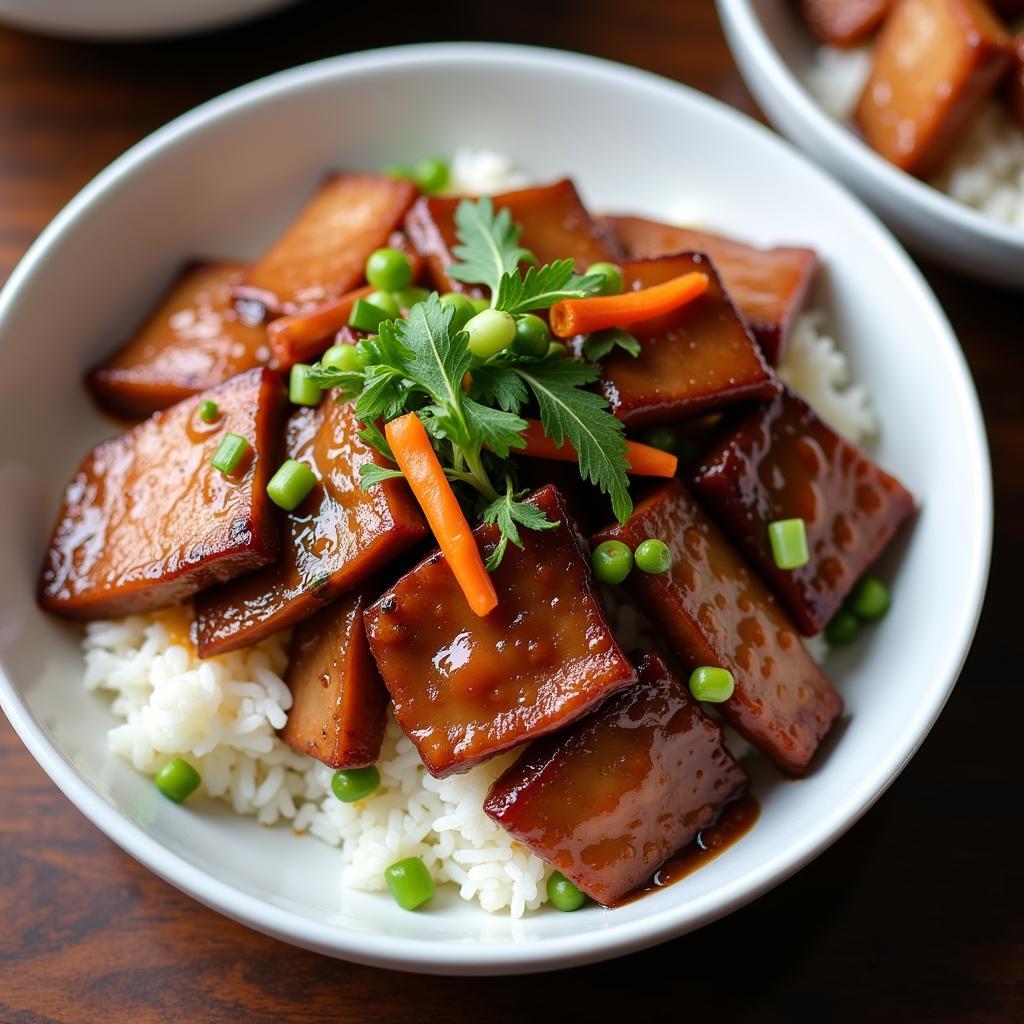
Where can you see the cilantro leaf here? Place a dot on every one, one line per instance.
(541, 288)
(600, 343)
(489, 244)
(370, 474)
(506, 512)
(498, 384)
(567, 411)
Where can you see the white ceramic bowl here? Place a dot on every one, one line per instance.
(223, 180)
(130, 19)
(774, 51)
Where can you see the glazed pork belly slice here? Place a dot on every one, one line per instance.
(714, 610)
(555, 223)
(147, 520)
(935, 64)
(192, 341)
(608, 800)
(323, 253)
(466, 688)
(783, 462)
(332, 543)
(338, 699)
(698, 359)
(844, 22)
(768, 286)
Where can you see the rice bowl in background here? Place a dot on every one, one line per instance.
(292, 889)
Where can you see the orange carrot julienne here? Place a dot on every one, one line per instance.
(644, 460)
(583, 316)
(417, 461)
(303, 337)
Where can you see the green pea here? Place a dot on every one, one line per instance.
(385, 301)
(399, 172)
(557, 348)
(870, 599)
(612, 277)
(341, 357)
(532, 336)
(366, 353)
(843, 629)
(352, 784)
(665, 438)
(408, 297)
(463, 306)
(410, 883)
(208, 411)
(653, 556)
(712, 684)
(431, 174)
(479, 305)
(612, 561)
(490, 332)
(177, 779)
(388, 269)
(563, 894)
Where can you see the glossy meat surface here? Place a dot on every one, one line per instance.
(768, 286)
(323, 253)
(610, 799)
(715, 611)
(1016, 86)
(783, 462)
(338, 699)
(935, 63)
(555, 225)
(466, 688)
(334, 541)
(147, 520)
(192, 341)
(697, 360)
(844, 22)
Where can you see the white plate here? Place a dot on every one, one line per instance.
(222, 180)
(774, 51)
(130, 19)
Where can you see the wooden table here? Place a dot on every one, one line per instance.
(913, 916)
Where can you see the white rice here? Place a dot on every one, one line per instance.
(986, 166)
(222, 713)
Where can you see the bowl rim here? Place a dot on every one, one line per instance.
(377, 949)
(864, 161)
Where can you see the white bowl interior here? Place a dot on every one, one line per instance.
(774, 51)
(222, 181)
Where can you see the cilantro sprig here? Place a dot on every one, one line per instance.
(471, 408)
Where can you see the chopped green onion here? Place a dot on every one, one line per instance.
(410, 883)
(612, 561)
(177, 779)
(653, 556)
(406, 298)
(431, 174)
(563, 894)
(388, 269)
(843, 629)
(352, 784)
(230, 452)
(302, 390)
(788, 538)
(340, 357)
(612, 275)
(208, 411)
(291, 484)
(870, 599)
(711, 684)
(365, 316)
(490, 332)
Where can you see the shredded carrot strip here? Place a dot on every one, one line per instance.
(304, 337)
(417, 461)
(583, 316)
(644, 460)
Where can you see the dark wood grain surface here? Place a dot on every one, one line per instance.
(915, 915)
